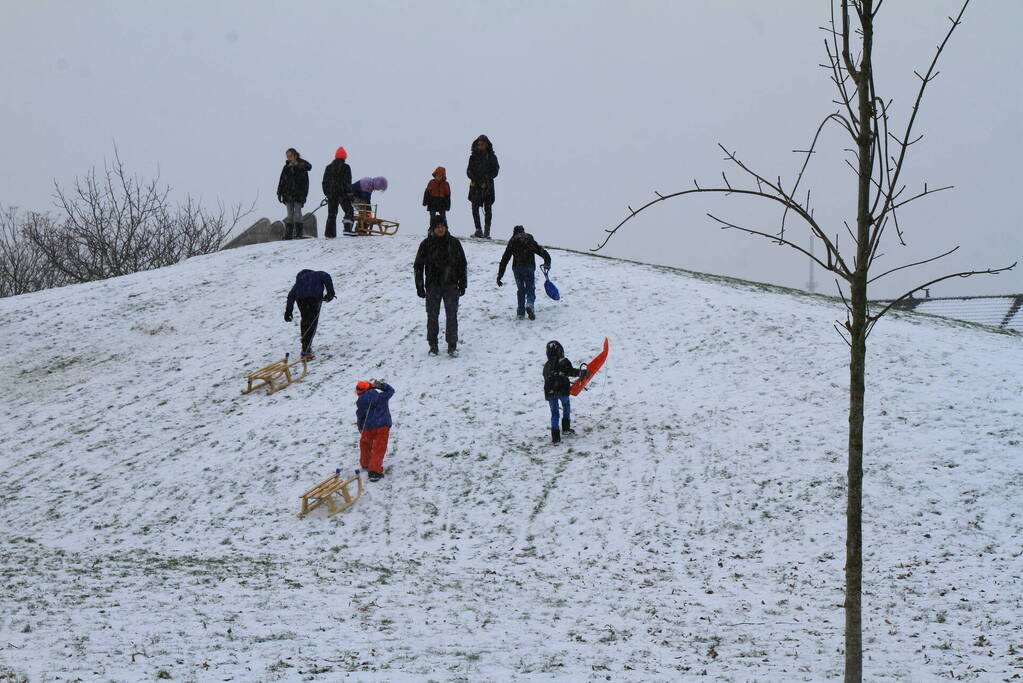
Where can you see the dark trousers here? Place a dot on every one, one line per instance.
(310, 311)
(525, 287)
(488, 215)
(330, 230)
(434, 296)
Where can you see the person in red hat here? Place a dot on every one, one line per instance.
(337, 188)
(373, 417)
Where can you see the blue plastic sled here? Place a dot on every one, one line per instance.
(549, 287)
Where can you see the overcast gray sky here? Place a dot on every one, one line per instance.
(591, 106)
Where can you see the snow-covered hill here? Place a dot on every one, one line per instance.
(693, 525)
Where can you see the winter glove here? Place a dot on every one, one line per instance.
(280, 198)
(329, 297)
(420, 292)
(287, 317)
(461, 291)
(583, 374)
(499, 283)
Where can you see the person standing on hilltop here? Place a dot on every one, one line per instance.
(441, 276)
(521, 250)
(292, 190)
(437, 196)
(482, 170)
(337, 188)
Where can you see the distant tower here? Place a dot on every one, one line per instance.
(811, 284)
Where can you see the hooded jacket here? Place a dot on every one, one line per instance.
(294, 183)
(556, 372)
(482, 170)
(521, 250)
(440, 261)
(309, 284)
(437, 196)
(337, 180)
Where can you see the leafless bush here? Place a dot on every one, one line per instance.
(23, 267)
(117, 223)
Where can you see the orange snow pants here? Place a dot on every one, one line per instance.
(372, 446)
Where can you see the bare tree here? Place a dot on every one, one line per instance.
(878, 159)
(23, 267)
(117, 223)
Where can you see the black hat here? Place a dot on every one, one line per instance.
(517, 229)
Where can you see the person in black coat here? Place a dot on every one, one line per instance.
(482, 170)
(556, 386)
(520, 251)
(292, 190)
(441, 275)
(337, 188)
(311, 287)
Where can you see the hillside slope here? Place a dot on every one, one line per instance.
(693, 525)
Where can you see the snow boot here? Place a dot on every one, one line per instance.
(477, 234)
(376, 476)
(453, 351)
(520, 316)
(566, 425)
(348, 231)
(555, 436)
(288, 231)
(530, 313)
(434, 350)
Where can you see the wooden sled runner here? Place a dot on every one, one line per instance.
(367, 223)
(277, 375)
(325, 491)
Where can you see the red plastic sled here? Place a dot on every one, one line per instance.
(591, 369)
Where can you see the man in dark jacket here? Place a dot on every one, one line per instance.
(373, 418)
(441, 276)
(292, 190)
(556, 386)
(521, 250)
(337, 188)
(482, 170)
(308, 291)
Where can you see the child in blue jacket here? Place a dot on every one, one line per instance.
(373, 417)
(310, 289)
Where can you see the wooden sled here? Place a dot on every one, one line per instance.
(277, 375)
(367, 223)
(325, 491)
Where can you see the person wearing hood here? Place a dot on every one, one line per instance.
(437, 196)
(482, 170)
(292, 190)
(441, 276)
(337, 188)
(363, 189)
(521, 250)
(556, 386)
(310, 289)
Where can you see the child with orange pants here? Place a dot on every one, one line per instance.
(373, 418)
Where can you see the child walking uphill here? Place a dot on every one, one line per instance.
(556, 385)
(373, 418)
(310, 289)
(437, 195)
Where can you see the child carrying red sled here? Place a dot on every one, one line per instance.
(373, 418)
(556, 386)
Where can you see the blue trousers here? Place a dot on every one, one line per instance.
(565, 404)
(525, 287)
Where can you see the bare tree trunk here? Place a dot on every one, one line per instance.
(857, 326)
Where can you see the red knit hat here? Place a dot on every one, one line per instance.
(362, 387)
(340, 153)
